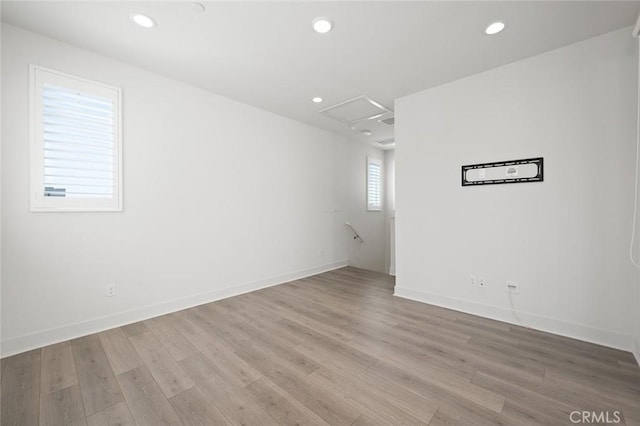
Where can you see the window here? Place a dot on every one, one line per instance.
(374, 184)
(76, 144)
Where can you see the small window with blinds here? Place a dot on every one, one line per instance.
(76, 144)
(374, 184)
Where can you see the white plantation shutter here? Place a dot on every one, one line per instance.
(76, 143)
(374, 184)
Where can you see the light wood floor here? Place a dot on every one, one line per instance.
(335, 349)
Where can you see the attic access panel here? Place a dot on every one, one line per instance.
(355, 110)
(514, 171)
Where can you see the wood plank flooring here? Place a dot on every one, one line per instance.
(336, 349)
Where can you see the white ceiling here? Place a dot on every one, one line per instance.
(266, 53)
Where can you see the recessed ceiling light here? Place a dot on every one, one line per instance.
(143, 20)
(317, 99)
(197, 8)
(322, 25)
(366, 132)
(494, 28)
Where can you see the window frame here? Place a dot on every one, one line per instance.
(377, 161)
(38, 77)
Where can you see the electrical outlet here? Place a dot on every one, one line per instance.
(473, 281)
(111, 290)
(512, 287)
(482, 283)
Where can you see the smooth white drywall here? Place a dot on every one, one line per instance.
(219, 198)
(636, 253)
(389, 202)
(1, 125)
(565, 240)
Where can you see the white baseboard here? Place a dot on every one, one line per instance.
(583, 332)
(71, 331)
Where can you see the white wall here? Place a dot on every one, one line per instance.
(636, 347)
(565, 240)
(219, 198)
(1, 126)
(637, 342)
(636, 253)
(389, 202)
